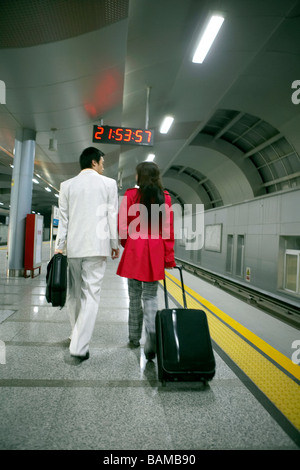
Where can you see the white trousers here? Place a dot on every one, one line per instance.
(84, 289)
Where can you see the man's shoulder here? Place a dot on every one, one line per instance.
(68, 181)
(93, 178)
(108, 180)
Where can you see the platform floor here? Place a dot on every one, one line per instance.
(113, 401)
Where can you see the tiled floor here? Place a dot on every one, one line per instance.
(113, 400)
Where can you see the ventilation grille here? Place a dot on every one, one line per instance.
(275, 159)
(208, 186)
(25, 23)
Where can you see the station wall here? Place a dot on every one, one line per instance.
(256, 243)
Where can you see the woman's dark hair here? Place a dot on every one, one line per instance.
(150, 186)
(88, 155)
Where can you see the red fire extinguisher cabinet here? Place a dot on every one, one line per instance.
(33, 243)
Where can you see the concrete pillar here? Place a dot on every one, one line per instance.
(21, 199)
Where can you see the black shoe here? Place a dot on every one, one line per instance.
(133, 344)
(150, 356)
(81, 358)
(150, 346)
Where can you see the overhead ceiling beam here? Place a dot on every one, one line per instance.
(247, 130)
(250, 60)
(229, 125)
(186, 143)
(263, 145)
(281, 180)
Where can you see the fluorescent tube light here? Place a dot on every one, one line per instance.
(150, 157)
(35, 181)
(208, 38)
(48, 189)
(166, 124)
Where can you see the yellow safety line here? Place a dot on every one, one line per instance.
(275, 355)
(281, 390)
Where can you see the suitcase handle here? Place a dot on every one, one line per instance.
(179, 267)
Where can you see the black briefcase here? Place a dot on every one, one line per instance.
(184, 349)
(56, 280)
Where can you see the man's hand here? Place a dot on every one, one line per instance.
(115, 253)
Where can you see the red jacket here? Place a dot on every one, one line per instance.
(146, 254)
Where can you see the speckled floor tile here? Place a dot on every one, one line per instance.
(114, 399)
(27, 415)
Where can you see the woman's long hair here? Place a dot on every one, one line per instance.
(150, 186)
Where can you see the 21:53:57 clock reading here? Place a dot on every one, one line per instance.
(122, 135)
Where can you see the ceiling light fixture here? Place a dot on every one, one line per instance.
(48, 189)
(150, 157)
(166, 124)
(35, 181)
(208, 38)
(53, 141)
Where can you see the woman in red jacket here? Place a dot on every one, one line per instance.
(147, 234)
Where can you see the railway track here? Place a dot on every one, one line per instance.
(277, 307)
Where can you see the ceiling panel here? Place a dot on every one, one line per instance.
(70, 64)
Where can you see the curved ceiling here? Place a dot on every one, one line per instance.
(71, 64)
(26, 23)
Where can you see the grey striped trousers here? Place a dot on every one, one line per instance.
(146, 293)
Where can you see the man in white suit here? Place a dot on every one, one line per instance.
(88, 208)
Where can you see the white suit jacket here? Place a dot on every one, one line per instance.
(88, 210)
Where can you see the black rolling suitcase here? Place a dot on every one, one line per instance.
(184, 350)
(56, 280)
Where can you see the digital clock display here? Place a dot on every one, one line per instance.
(122, 135)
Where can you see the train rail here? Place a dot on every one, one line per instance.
(282, 309)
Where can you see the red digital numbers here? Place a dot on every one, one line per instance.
(139, 136)
(119, 135)
(127, 135)
(149, 136)
(99, 133)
